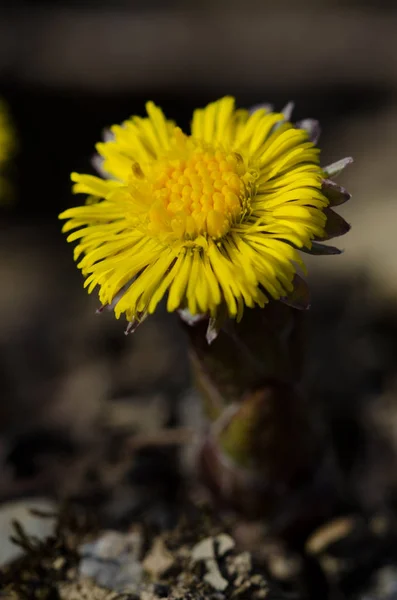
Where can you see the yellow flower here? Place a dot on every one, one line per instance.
(7, 147)
(213, 218)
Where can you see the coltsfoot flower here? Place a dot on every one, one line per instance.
(213, 219)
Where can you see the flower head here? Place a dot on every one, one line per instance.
(214, 219)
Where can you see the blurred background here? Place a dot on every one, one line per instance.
(73, 387)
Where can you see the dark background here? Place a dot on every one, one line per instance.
(70, 381)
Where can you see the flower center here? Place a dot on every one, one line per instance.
(196, 191)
